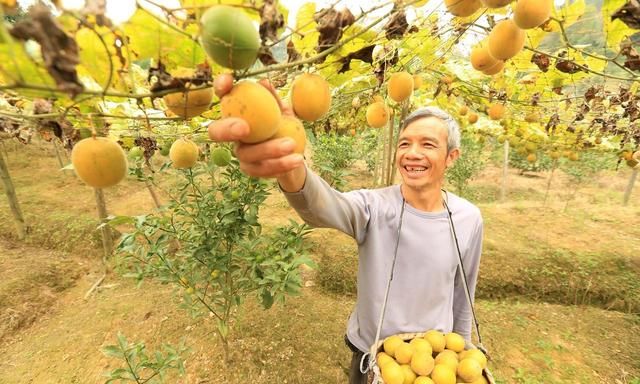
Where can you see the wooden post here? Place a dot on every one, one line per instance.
(632, 181)
(553, 169)
(153, 194)
(55, 147)
(394, 144)
(13, 200)
(505, 172)
(107, 241)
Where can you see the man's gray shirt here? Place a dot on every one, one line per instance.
(426, 292)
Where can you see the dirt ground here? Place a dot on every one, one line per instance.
(51, 333)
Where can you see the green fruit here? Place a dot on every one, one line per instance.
(164, 151)
(229, 37)
(136, 153)
(221, 156)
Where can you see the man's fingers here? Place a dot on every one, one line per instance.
(272, 167)
(253, 153)
(222, 84)
(229, 129)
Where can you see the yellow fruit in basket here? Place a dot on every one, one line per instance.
(409, 375)
(447, 357)
(436, 339)
(404, 353)
(392, 343)
(481, 380)
(423, 380)
(469, 370)
(392, 373)
(382, 358)
(455, 342)
(420, 344)
(443, 374)
(422, 363)
(475, 354)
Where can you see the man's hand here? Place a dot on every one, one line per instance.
(271, 158)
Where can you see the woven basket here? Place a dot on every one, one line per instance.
(374, 371)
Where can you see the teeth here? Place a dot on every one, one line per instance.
(415, 169)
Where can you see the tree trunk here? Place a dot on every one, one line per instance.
(505, 172)
(107, 241)
(394, 144)
(632, 181)
(553, 169)
(153, 194)
(13, 199)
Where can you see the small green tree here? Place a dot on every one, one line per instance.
(210, 244)
(585, 168)
(468, 165)
(332, 156)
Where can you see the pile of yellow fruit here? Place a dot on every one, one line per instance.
(434, 358)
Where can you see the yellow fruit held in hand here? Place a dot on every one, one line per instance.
(377, 115)
(391, 344)
(506, 40)
(189, 103)
(404, 352)
(436, 338)
(462, 8)
(310, 96)
(443, 374)
(392, 373)
(183, 153)
(99, 162)
(422, 363)
(455, 342)
(290, 126)
(257, 106)
(400, 86)
(469, 370)
(496, 111)
(532, 13)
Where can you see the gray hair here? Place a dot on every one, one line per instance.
(453, 128)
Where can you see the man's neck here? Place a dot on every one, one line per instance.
(428, 199)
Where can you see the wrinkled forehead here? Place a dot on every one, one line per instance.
(428, 126)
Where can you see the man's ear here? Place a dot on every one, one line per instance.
(452, 156)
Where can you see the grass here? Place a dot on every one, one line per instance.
(557, 297)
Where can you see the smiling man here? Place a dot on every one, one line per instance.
(405, 227)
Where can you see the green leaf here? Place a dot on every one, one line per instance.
(112, 351)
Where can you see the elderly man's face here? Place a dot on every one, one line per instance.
(422, 156)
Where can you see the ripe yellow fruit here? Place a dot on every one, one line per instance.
(462, 8)
(434, 337)
(443, 374)
(532, 117)
(423, 380)
(496, 111)
(495, 69)
(473, 118)
(99, 162)
(378, 99)
(382, 358)
(447, 80)
(532, 13)
(189, 103)
(481, 59)
(480, 380)
(417, 82)
(463, 110)
(495, 3)
(455, 342)
(256, 105)
(183, 153)
(469, 370)
(422, 363)
(289, 126)
(505, 40)
(391, 344)
(400, 86)
(409, 375)
(229, 37)
(554, 155)
(377, 115)
(404, 352)
(392, 373)
(420, 344)
(573, 156)
(448, 358)
(475, 354)
(310, 96)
